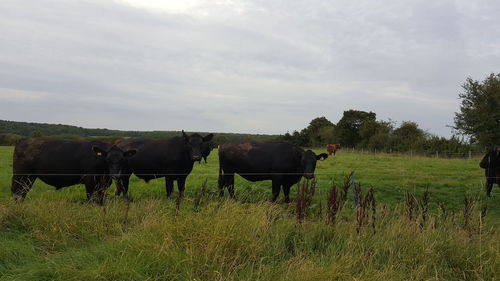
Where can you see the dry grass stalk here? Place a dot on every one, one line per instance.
(365, 204)
(467, 211)
(333, 204)
(346, 186)
(424, 206)
(199, 195)
(411, 207)
(178, 201)
(304, 198)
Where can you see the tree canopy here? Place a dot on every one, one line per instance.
(348, 128)
(479, 115)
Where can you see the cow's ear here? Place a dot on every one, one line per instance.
(129, 153)
(208, 137)
(186, 137)
(98, 151)
(322, 156)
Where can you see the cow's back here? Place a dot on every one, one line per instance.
(40, 155)
(57, 154)
(255, 158)
(157, 156)
(58, 162)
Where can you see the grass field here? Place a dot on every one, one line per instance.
(56, 235)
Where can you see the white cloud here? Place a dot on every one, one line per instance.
(20, 96)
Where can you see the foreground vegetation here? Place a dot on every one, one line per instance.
(49, 239)
(452, 235)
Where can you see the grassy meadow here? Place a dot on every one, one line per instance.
(56, 235)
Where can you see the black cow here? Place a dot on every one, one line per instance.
(282, 163)
(205, 149)
(171, 158)
(491, 164)
(62, 163)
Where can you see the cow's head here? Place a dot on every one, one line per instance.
(116, 158)
(205, 150)
(194, 143)
(308, 162)
(492, 158)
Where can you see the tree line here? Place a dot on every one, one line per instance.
(477, 126)
(361, 130)
(11, 131)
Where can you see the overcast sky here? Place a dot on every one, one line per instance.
(262, 66)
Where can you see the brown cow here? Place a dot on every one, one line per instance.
(332, 148)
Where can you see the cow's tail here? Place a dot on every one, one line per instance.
(220, 181)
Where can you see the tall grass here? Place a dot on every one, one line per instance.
(154, 239)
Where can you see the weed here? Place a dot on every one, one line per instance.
(304, 199)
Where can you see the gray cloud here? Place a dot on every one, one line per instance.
(241, 66)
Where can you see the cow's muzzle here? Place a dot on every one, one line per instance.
(308, 176)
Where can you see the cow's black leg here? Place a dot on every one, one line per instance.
(489, 187)
(181, 185)
(21, 185)
(102, 185)
(90, 187)
(226, 180)
(276, 190)
(95, 188)
(119, 186)
(286, 191)
(169, 185)
(230, 187)
(122, 186)
(221, 182)
(490, 180)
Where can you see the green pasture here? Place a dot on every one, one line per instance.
(56, 235)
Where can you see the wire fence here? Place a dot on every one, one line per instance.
(417, 153)
(404, 175)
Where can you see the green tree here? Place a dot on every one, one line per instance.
(316, 132)
(376, 134)
(348, 127)
(408, 137)
(479, 116)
